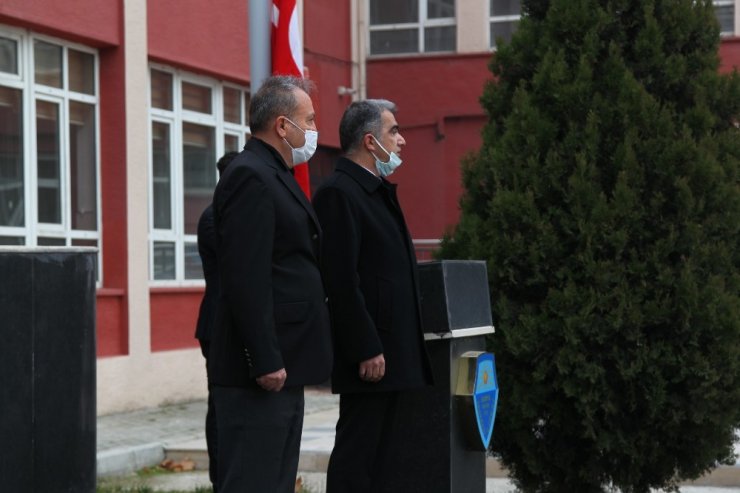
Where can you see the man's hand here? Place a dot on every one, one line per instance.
(274, 381)
(373, 369)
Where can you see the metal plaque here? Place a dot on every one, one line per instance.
(477, 394)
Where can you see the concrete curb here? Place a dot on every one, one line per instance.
(125, 460)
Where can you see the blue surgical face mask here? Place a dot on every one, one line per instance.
(386, 168)
(303, 153)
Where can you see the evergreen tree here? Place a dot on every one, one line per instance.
(606, 201)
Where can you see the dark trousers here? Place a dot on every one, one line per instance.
(362, 456)
(259, 438)
(211, 433)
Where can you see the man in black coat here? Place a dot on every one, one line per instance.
(272, 333)
(369, 269)
(207, 313)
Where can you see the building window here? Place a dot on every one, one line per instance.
(49, 144)
(504, 19)
(725, 11)
(193, 121)
(413, 26)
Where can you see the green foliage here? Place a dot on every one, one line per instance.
(606, 201)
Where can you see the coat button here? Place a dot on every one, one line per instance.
(326, 300)
(315, 237)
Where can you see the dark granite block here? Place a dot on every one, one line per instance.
(48, 310)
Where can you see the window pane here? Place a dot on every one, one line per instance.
(199, 172)
(231, 143)
(502, 30)
(11, 158)
(232, 105)
(48, 64)
(505, 7)
(440, 38)
(397, 41)
(440, 9)
(161, 179)
(82, 168)
(193, 267)
(8, 56)
(161, 90)
(12, 240)
(48, 164)
(393, 11)
(164, 260)
(84, 243)
(726, 17)
(41, 241)
(196, 98)
(81, 72)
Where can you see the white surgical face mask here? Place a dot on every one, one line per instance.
(304, 153)
(388, 167)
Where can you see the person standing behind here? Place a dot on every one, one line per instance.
(370, 272)
(272, 333)
(207, 313)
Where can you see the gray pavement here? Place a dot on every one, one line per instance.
(128, 442)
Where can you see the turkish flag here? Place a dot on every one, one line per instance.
(287, 59)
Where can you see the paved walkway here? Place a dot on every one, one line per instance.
(128, 442)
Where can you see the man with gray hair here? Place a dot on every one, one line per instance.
(369, 268)
(271, 335)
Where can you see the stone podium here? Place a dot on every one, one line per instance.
(432, 430)
(47, 363)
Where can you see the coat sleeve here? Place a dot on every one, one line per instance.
(355, 335)
(246, 228)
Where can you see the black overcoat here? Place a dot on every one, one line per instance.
(370, 273)
(272, 310)
(207, 252)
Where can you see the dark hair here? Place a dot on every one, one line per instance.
(362, 118)
(275, 97)
(224, 161)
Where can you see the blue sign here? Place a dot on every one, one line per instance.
(485, 396)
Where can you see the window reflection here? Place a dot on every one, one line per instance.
(161, 178)
(81, 72)
(8, 55)
(199, 172)
(47, 64)
(161, 89)
(48, 162)
(11, 158)
(82, 170)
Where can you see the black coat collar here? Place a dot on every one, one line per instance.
(269, 154)
(362, 176)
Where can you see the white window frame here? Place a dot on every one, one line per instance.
(25, 81)
(727, 3)
(498, 19)
(421, 25)
(175, 119)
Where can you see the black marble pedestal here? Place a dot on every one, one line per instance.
(433, 456)
(47, 363)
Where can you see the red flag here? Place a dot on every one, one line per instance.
(287, 59)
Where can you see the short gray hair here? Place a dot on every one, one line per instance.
(275, 97)
(361, 118)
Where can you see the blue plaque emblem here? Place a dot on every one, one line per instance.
(485, 396)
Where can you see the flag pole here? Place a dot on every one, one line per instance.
(260, 24)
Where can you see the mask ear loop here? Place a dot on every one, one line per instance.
(383, 149)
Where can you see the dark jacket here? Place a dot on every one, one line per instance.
(207, 251)
(370, 273)
(272, 310)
